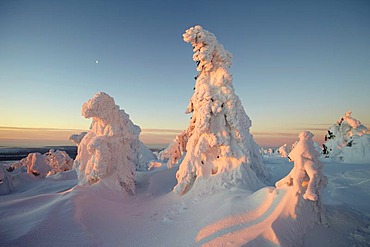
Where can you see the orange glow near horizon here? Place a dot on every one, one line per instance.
(153, 138)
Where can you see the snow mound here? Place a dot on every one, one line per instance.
(52, 162)
(217, 142)
(347, 141)
(111, 150)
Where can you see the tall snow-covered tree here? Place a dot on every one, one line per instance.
(217, 142)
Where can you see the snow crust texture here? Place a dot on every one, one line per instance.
(111, 149)
(217, 145)
(347, 141)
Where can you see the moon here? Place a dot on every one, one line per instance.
(97, 61)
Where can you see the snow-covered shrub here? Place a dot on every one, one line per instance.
(111, 149)
(306, 176)
(347, 141)
(283, 151)
(49, 163)
(217, 142)
(59, 161)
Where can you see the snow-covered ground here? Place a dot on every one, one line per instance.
(55, 211)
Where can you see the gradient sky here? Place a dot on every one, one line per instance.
(297, 65)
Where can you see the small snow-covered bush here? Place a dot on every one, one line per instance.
(52, 162)
(347, 141)
(306, 176)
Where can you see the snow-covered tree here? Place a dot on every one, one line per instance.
(59, 161)
(77, 138)
(217, 142)
(42, 165)
(306, 176)
(346, 138)
(175, 151)
(111, 150)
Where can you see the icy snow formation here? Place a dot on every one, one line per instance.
(347, 141)
(77, 138)
(305, 182)
(52, 162)
(306, 176)
(283, 151)
(111, 150)
(217, 142)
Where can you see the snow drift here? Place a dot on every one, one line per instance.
(347, 141)
(217, 147)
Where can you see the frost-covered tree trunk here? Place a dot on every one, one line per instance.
(218, 141)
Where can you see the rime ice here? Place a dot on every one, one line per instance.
(217, 142)
(347, 141)
(306, 176)
(52, 162)
(111, 147)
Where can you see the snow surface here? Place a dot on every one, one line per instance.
(55, 211)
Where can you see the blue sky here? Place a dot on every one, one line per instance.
(297, 64)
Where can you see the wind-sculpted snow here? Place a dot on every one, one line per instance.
(306, 176)
(347, 141)
(77, 138)
(111, 150)
(54, 211)
(217, 145)
(283, 151)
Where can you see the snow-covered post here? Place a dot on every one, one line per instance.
(110, 150)
(218, 141)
